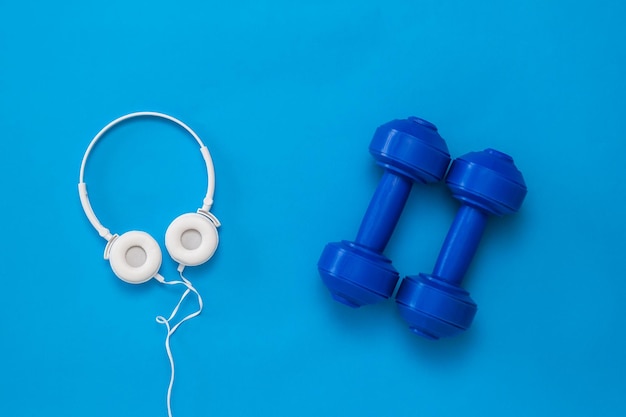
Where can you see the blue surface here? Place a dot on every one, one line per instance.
(287, 96)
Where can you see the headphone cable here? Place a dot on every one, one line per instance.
(171, 329)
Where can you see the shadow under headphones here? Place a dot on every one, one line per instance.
(135, 256)
(191, 239)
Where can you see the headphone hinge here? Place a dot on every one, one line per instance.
(107, 248)
(209, 216)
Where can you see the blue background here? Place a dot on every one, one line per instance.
(287, 97)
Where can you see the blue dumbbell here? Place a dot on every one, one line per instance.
(410, 150)
(485, 183)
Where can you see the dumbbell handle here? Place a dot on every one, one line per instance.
(384, 211)
(460, 245)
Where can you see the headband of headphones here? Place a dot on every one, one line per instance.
(82, 186)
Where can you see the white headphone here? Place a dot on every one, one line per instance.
(135, 257)
(191, 239)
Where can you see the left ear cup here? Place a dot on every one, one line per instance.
(191, 239)
(135, 257)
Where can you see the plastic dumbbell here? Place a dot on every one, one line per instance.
(410, 150)
(485, 183)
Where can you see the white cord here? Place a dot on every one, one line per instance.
(170, 330)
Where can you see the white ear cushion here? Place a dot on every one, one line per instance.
(135, 257)
(191, 239)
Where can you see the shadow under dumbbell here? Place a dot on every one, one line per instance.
(360, 324)
(446, 352)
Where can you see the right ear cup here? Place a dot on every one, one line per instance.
(191, 239)
(135, 257)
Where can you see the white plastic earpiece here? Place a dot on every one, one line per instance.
(191, 239)
(135, 257)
